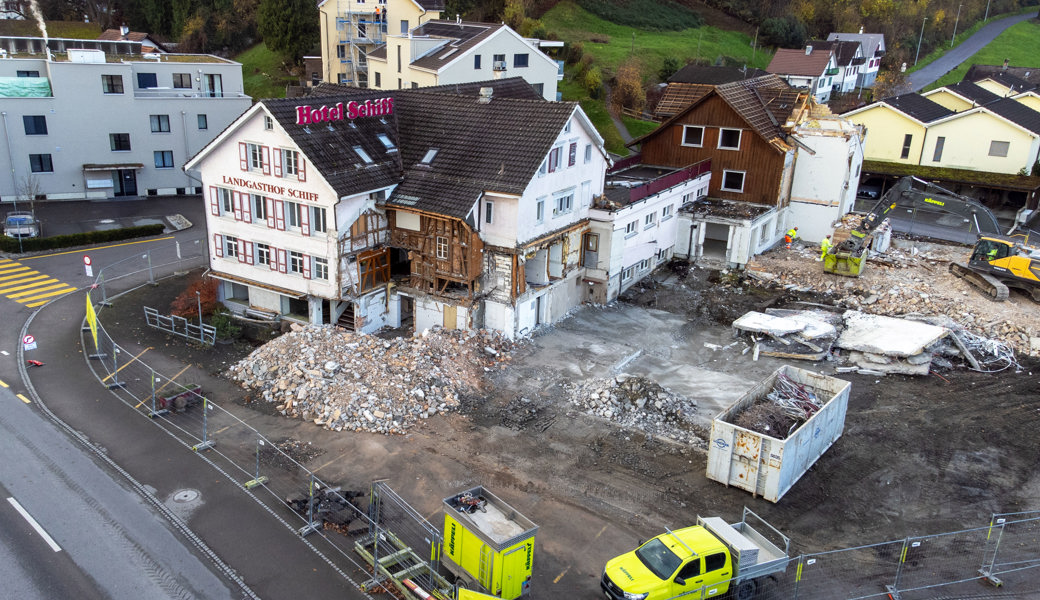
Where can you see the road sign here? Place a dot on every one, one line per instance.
(87, 266)
(29, 342)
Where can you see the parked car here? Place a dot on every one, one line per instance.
(871, 188)
(22, 224)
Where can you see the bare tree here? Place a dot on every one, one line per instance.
(29, 188)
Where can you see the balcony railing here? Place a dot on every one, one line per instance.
(668, 181)
(833, 71)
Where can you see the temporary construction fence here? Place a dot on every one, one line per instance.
(341, 526)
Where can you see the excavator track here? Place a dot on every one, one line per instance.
(986, 283)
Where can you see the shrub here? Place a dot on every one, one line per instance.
(186, 304)
(593, 82)
(628, 87)
(88, 238)
(574, 52)
(785, 32)
(225, 324)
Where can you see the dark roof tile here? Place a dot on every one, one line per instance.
(973, 92)
(918, 107)
(713, 75)
(1017, 113)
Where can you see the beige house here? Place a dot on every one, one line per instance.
(352, 29)
(447, 52)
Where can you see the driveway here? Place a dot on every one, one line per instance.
(951, 60)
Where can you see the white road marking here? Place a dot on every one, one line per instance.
(4, 352)
(25, 515)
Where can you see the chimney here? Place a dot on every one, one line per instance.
(485, 95)
(808, 50)
(123, 30)
(1004, 68)
(861, 29)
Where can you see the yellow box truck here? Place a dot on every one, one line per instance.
(487, 544)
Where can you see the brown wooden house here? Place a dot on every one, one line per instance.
(739, 127)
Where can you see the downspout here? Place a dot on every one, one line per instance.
(325, 50)
(10, 155)
(184, 130)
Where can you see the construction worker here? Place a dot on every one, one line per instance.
(825, 245)
(792, 233)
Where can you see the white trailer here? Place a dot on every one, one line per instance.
(769, 466)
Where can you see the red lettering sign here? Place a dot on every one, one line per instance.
(306, 115)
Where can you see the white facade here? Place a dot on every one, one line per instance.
(98, 129)
(825, 180)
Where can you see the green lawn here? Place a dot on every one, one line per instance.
(1020, 44)
(597, 113)
(262, 73)
(637, 128)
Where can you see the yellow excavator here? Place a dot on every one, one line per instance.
(998, 263)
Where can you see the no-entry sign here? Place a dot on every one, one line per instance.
(87, 266)
(29, 342)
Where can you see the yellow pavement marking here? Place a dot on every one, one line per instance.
(14, 286)
(15, 269)
(600, 532)
(61, 290)
(23, 398)
(171, 379)
(560, 576)
(40, 286)
(169, 237)
(222, 429)
(35, 304)
(127, 364)
(19, 275)
(4, 383)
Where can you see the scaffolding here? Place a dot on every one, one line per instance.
(359, 29)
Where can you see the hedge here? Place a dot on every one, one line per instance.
(8, 244)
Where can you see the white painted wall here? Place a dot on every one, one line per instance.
(824, 184)
(540, 70)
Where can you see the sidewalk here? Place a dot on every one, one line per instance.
(271, 559)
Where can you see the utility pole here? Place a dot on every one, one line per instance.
(987, 10)
(955, 23)
(918, 55)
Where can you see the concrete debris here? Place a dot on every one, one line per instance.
(798, 334)
(639, 403)
(354, 382)
(888, 336)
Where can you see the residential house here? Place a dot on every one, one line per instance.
(896, 127)
(93, 119)
(848, 57)
(435, 209)
(634, 224)
(810, 69)
(1004, 80)
(688, 83)
(123, 34)
(445, 52)
(352, 29)
(872, 47)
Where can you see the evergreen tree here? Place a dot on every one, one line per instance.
(289, 27)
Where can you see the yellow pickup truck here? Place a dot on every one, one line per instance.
(702, 561)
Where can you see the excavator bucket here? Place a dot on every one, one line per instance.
(843, 263)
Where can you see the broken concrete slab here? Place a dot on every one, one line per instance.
(818, 324)
(877, 364)
(887, 336)
(756, 322)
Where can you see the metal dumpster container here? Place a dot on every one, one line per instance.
(487, 543)
(769, 466)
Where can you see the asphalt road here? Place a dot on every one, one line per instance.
(956, 56)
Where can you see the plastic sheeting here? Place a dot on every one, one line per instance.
(25, 87)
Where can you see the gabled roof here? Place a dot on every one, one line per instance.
(788, 61)
(915, 106)
(678, 96)
(972, 92)
(459, 37)
(713, 75)
(116, 35)
(510, 87)
(1017, 113)
(872, 43)
(844, 50)
(764, 103)
(1020, 78)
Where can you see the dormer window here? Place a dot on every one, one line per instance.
(386, 141)
(428, 158)
(363, 155)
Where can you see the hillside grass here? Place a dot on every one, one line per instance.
(1020, 44)
(263, 72)
(596, 110)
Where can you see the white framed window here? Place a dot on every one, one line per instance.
(539, 210)
(318, 222)
(292, 213)
(729, 139)
(321, 268)
(627, 274)
(649, 220)
(666, 212)
(263, 254)
(227, 205)
(296, 262)
(733, 181)
(564, 204)
(554, 158)
(442, 248)
(259, 208)
(630, 228)
(268, 122)
(489, 212)
(255, 154)
(230, 246)
(693, 135)
(160, 123)
(644, 264)
(997, 148)
(290, 162)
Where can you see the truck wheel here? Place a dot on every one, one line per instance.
(746, 590)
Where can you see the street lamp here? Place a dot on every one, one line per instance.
(987, 10)
(919, 41)
(955, 23)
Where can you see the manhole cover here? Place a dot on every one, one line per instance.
(185, 496)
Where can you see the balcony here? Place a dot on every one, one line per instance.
(833, 71)
(499, 65)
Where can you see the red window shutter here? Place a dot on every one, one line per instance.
(243, 156)
(236, 203)
(572, 157)
(218, 245)
(305, 219)
(301, 168)
(282, 267)
(277, 162)
(306, 267)
(249, 253)
(279, 214)
(214, 203)
(247, 210)
(272, 258)
(265, 159)
(270, 212)
(241, 251)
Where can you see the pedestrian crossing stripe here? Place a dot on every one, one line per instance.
(29, 287)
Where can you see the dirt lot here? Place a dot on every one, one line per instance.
(918, 455)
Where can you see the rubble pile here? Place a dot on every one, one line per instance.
(912, 280)
(640, 403)
(356, 382)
